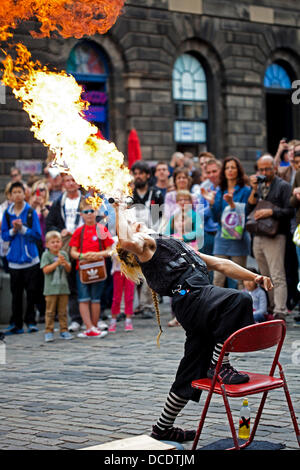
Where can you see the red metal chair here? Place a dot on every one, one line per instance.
(251, 338)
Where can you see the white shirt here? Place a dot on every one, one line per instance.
(71, 212)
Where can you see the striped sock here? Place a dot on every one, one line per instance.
(173, 406)
(216, 355)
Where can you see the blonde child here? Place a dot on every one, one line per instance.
(55, 264)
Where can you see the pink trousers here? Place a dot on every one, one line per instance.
(122, 284)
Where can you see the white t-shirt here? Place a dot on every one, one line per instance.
(71, 212)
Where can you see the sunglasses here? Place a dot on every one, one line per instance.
(88, 211)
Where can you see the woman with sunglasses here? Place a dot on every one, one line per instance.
(39, 201)
(88, 247)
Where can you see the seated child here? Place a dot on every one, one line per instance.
(55, 264)
(259, 297)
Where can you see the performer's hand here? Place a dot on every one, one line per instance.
(264, 281)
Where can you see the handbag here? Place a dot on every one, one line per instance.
(266, 227)
(91, 271)
(233, 222)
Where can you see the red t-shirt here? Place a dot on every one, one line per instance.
(90, 240)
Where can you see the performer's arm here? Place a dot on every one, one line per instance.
(233, 270)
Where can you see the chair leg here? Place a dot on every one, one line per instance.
(257, 418)
(202, 419)
(229, 415)
(290, 405)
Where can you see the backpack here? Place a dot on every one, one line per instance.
(29, 219)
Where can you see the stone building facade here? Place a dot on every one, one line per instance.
(225, 47)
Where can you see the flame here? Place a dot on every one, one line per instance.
(53, 100)
(69, 18)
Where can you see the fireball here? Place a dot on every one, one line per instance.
(53, 100)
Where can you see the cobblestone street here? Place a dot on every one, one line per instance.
(84, 392)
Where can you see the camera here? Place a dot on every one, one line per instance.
(261, 179)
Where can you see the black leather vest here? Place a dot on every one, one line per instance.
(173, 264)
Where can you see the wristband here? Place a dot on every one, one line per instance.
(80, 256)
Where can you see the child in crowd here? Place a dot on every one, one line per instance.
(55, 264)
(87, 245)
(21, 228)
(259, 297)
(121, 284)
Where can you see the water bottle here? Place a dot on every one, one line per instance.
(244, 423)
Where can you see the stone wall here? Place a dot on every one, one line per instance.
(235, 40)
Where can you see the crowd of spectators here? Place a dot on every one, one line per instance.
(48, 229)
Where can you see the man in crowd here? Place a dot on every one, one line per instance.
(269, 251)
(148, 201)
(64, 217)
(162, 174)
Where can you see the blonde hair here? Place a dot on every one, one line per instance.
(132, 270)
(183, 193)
(37, 184)
(52, 234)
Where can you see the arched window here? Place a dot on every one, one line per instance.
(279, 112)
(190, 97)
(277, 77)
(88, 64)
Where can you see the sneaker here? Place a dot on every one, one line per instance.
(147, 313)
(13, 330)
(128, 325)
(172, 434)
(121, 317)
(228, 374)
(112, 327)
(297, 321)
(32, 329)
(75, 326)
(49, 337)
(66, 335)
(101, 325)
(92, 333)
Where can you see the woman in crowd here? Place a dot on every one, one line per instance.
(233, 193)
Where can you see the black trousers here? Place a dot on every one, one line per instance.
(24, 279)
(209, 315)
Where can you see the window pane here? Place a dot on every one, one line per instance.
(186, 131)
(189, 81)
(277, 77)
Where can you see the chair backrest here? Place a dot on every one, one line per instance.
(256, 337)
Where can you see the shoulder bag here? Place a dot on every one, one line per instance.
(266, 227)
(91, 271)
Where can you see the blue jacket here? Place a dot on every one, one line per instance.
(23, 249)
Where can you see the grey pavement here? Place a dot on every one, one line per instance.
(84, 392)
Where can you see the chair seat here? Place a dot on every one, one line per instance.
(257, 383)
